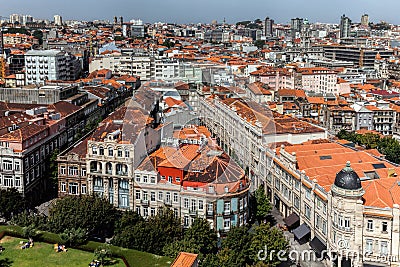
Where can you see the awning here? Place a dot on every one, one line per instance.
(317, 245)
(291, 220)
(301, 231)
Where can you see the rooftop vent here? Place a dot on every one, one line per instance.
(325, 157)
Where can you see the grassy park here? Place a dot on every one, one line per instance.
(43, 254)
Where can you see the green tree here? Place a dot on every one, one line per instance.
(93, 213)
(27, 218)
(369, 140)
(263, 206)
(102, 254)
(150, 235)
(38, 34)
(74, 237)
(29, 231)
(268, 237)
(199, 238)
(11, 203)
(128, 219)
(237, 246)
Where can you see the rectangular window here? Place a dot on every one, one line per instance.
(153, 196)
(384, 247)
(168, 197)
(8, 181)
(308, 194)
(17, 166)
(186, 203)
(296, 202)
(227, 223)
(152, 212)
(83, 172)
(186, 221)
(370, 225)
(7, 165)
(175, 197)
(369, 245)
(63, 187)
(62, 170)
(137, 194)
(170, 179)
(200, 204)
(384, 227)
(178, 179)
(160, 196)
(145, 179)
(17, 181)
(347, 222)
(138, 210)
(145, 195)
(307, 211)
(153, 179)
(324, 227)
(83, 189)
(137, 178)
(73, 188)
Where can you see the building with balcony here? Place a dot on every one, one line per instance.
(344, 200)
(42, 65)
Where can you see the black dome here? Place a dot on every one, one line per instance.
(348, 179)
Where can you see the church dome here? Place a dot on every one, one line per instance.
(348, 179)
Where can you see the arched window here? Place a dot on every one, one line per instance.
(110, 151)
(101, 151)
(94, 150)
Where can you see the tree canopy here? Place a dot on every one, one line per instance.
(94, 214)
(11, 203)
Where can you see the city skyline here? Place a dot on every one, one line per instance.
(178, 11)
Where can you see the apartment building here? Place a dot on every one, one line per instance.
(42, 65)
(318, 80)
(332, 195)
(383, 117)
(27, 145)
(275, 78)
(245, 129)
(338, 118)
(134, 65)
(192, 176)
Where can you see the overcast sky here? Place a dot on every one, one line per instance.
(184, 11)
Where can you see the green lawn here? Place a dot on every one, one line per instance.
(133, 257)
(43, 254)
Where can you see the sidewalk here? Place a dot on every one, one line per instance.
(294, 245)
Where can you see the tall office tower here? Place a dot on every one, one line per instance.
(268, 27)
(27, 19)
(345, 23)
(296, 26)
(15, 18)
(364, 20)
(57, 20)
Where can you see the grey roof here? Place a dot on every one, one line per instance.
(348, 179)
(48, 53)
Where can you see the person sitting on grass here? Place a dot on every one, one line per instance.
(94, 263)
(28, 244)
